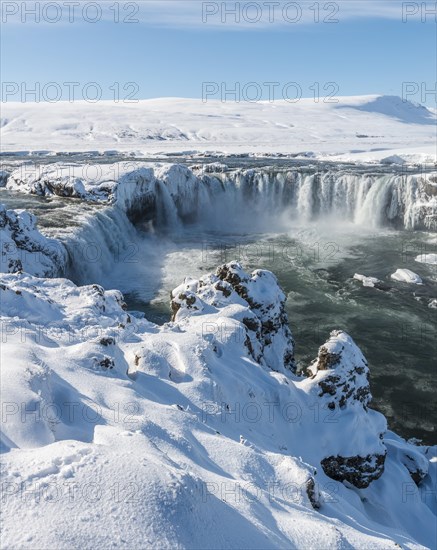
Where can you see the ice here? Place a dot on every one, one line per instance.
(427, 259)
(367, 281)
(406, 276)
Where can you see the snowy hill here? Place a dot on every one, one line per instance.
(355, 128)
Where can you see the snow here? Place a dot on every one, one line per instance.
(427, 259)
(117, 432)
(393, 159)
(361, 128)
(406, 276)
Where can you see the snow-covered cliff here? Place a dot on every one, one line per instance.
(24, 248)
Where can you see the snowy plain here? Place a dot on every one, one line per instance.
(361, 128)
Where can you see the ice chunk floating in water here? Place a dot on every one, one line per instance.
(406, 276)
(427, 259)
(367, 281)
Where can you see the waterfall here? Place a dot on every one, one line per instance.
(248, 201)
(104, 238)
(166, 210)
(253, 200)
(169, 198)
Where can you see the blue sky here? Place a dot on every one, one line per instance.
(175, 48)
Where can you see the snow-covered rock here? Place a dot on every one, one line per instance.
(406, 276)
(267, 335)
(340, 377)
(94, 183)
(393, 159)
(412, 457)
(141, 189)
(179, 425)
(341, 372)
(24, 248)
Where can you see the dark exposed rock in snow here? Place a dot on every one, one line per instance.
(341, 372)
(313, 493)
(357, 470)
(4, 175)
(256, 289)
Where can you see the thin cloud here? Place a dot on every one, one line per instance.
(201, 14)
(267, 14)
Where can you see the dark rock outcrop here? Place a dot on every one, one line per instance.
(342, 372)
(340, 377)
(269, 309)
(357, 470)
